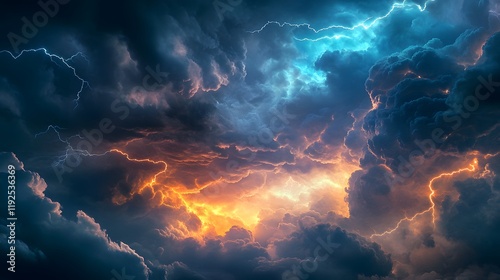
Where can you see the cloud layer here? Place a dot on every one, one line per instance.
(252, 140)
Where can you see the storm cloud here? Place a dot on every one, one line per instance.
(251, 139)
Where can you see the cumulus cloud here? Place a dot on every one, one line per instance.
(53, 246)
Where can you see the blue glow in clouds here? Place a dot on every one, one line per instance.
(346, 32)
(313, 42)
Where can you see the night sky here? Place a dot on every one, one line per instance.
(251, 139)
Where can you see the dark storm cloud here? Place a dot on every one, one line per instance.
(477, 205)
(354, 256)
(147, 30)
(419, 91)
(56, 247)
(369, 195)
(121, 44)
(237, 257)
(234, 256)
(345, 73)
(180, 39)
(267, 115)
(320, 14)
(171, 50)
(414, 102)
(179, 271)
(468, 223)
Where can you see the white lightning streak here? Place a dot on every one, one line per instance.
(365, 24)
(84, 83)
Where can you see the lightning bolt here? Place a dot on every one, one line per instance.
(491, 155)
(432, 192)
(365, 24)
(56, 130)
(70, 151)
(69, 148)
(167, 195)
(129, 158)
(76, 55)
(211, 217)
(85, 153)
(64, 61)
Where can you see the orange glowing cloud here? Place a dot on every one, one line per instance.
(244, 202)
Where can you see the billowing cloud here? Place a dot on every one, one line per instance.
(252, 139)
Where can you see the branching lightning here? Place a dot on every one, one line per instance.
(84, 83)
(364, 24)
(56, 130)
(69, 148)
(155, 177)
(206, 213)
(76, 55)
(85, 153)
(66, 61)
(432, 192)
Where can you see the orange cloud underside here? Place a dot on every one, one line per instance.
(220, 205)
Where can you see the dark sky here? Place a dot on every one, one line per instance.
(238, 139)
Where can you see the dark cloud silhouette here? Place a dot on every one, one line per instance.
(53, 246)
